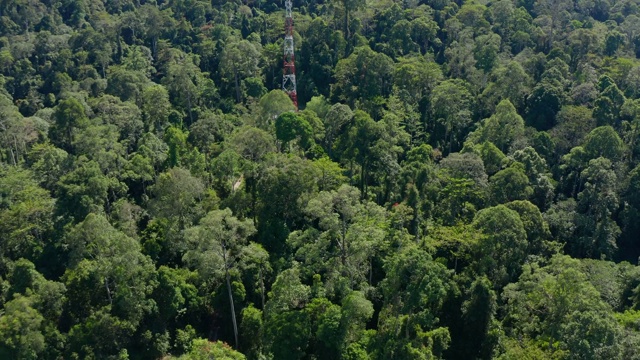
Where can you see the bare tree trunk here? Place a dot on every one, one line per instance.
(17, 156)
(262, 289)
(13, 157)
(233, 310)
(235, 75)
(346, 23)
(106, 285)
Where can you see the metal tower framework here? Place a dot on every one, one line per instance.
(289, 73)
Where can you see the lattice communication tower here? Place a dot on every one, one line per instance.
(289, 73)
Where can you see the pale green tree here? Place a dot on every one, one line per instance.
(215, 247)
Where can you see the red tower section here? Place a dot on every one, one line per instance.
(289, 73)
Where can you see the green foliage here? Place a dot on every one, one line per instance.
(459, 180)
(502, 129)
(202, 349)
(416, 288)
(504, 247)
(556, 317)
(364, 75)
(21, 329)
(69, 117)
(291, 127)
(451, 108)
(345, 239)
(510, 184)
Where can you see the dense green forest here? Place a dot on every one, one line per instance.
(461, 181)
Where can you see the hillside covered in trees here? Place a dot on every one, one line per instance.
(461, 180)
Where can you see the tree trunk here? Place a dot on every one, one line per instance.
(106, 285)
(262, 289)
(189, 105)
(233, 310)
(346, 23)
(235, 76)
(154, 47)
(17, 154)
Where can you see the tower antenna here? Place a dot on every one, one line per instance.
(289, 73)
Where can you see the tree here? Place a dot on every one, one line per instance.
(287, 326)
(598, 231)
(46, 297)
(607, 106)
(356, 312)
(202, 349)
(478, 312)
(329, 174)
(574, 123)
(504, 247)
(503, 128)
(69, 118)
(126, 84)
(109, 282)
(581, 43)
(534, 224)
(252, 331)
(348, 235)
(363, 76)
(365, 143)
(414, 290)
(485, 51)
(21, 330)
(86, 190)
(451, 107)
(16, 132)
(283, 184)
(180, 152)
(211, 129)
(424, 33)
(322, 46)
(272, 105)
(252, 143)
(491, 156)
(215, 248)
(510, 184)
(26, 213)
(255, 263)
(187, 85)
(319, 105)
(238, 61)
(290, 127)
(156, 108)
(416, 76)
(126, 117)
(467, 166)
(630, 212)
(569, 299)
(350, 6)
(335, 120)
(400, 38)
(176, 194)
(543, 104)
(604, 141)
(591, 335)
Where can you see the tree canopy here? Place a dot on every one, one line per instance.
(459, 180)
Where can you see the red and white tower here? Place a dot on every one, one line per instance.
(289, 73)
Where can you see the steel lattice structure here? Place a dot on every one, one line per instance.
(289, 73)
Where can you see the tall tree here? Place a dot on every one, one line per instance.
(216, 245)
(451, 107)
(347, 237)
(349, 6)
